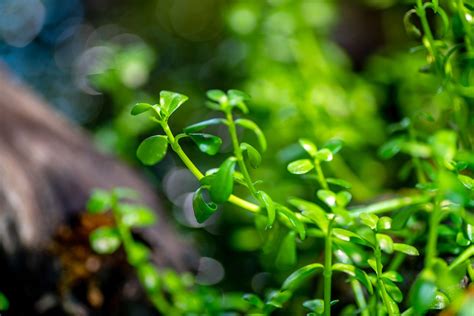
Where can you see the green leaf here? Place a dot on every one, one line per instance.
(385, 242)
(443, 144)
(207, 143)
(409, 25)
(370, 220)
(269, 206)
(277, 298)
(253, 299)
(149, 277)
(324, 155)
(152, 149)
(171, 101)
(393, 290)
(258, 132)
(252, 154)
(213, 105)
(99, 202)
(237, 95)
(343, 198)
(467, 181)
(334, 145)
(202, 209)
(347, 235)
(138, 253)
(202, 125)
(301, 166)
(355, 272)
(441, 301)
(137, 215)
(308, 146)
(339, 182)
(312, 211)
(286, 256)
(295, 279)
(371, 262)
(105, 240)
(328, 197)
(384, 223)
(294, 221)
(316, 305)
(393, 276)
(391, 148)
(140, 108)
(4, 303)
(406, 249)
(222, 184)
(423, 292)
(217, 95)
(237, 98)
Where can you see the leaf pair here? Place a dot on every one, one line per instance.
(169, 103)
(220, 185)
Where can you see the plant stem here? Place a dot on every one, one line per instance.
(359, 297)
(328, 270)
(420, 10)
(420, 175)
(251, 207)
(383, 291)
(376, 208)
(390, 205)
(238, 154)
(321, 179)
(431, 251)
(156, 298)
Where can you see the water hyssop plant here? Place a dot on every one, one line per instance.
(368, 244)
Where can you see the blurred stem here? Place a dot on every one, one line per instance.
(431, 251)
(126, 237)
(465, 255)
(420, 175)
(383, 291)
(420, 10)
(359, 297)
(328, 270)
(390, 205)
(321, 179)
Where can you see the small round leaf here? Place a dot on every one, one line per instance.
(153, 149)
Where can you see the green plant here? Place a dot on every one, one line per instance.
(169, 292)
(4, 303)
(372, 245)
(327, 217)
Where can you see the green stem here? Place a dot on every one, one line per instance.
(238, 154)
(416, 161)
(321, 179)
(420, 10)
(390, 205)
(376, 208)
(328, 270)
(251, 207)
(383, 291)
(431, 251)
(359, 297)
(465, 255)
(128, 242)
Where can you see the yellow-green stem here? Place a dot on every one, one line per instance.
(328, 271)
